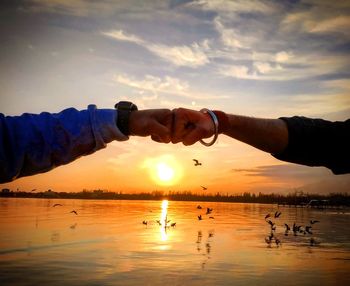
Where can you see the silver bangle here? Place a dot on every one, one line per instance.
(216, 127)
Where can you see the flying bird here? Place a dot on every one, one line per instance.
(277, 214)
(199, 207)
(144, 222)
(196, 162)
(173, 224)
(267, 216)
(204, 188)
(209, 210)
(56, 205)
(200, 217)
(314, 221)
(273, 226)
(74, 212)
(33, 190)
(308, 229)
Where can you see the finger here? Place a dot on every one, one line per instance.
(160, 132)
(193, 136)
(180, 125)
(156, 138)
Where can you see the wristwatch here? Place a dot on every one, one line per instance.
(124, 109)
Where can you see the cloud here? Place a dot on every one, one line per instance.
(286, 67)
(339, 24)
(236, 72)
(320, 18)
(282, 170)
(78, 8)
(229, 37)
(283, 56)
(237, 6)
(154, 84)
(190, 56)
(122, 36)
(166, 85)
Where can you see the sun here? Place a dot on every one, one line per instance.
(164, 170)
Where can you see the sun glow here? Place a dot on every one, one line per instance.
(164, 170)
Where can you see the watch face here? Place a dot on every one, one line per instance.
(125, 105)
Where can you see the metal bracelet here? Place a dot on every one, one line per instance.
(216, 127)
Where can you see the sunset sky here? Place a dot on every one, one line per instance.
(255, 58)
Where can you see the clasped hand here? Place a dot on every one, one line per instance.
(165, 126)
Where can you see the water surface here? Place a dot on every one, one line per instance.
(108, 244)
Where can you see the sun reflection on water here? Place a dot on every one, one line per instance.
(163, 220)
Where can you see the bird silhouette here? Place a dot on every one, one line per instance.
(196, 162)
(209, 210)
(314, 221)
(144, 222)
(267, 240)
(56, 205)
(296, 228)
(287, 227)
(73, 226)
(211, 217)
(33, 190)
(308, 229)
(173, 224)
(277, 214)
(267, 216)
(273, 226)
(199, 207)
(277, 241)
(200, 217)
(204, 188)
(74, 212)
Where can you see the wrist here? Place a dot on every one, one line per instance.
(132, 124)
(224, 123)
(124, 109)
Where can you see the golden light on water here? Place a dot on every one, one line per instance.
(164, 170)
(163, 220)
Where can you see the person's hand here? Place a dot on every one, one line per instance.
(156, 123)
(189, 126)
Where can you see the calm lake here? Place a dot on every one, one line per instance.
(107, 243)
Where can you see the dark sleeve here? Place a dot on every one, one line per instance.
(317, 142)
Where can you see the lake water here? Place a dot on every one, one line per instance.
(108, 244)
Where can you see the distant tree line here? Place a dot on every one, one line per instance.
(295, 198)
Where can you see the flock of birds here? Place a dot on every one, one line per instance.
(295, 229)
(208, 212)
(166, 223)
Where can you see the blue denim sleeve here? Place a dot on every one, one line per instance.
(37, 143)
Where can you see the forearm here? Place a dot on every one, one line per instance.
(31, 144)
(269, 135)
